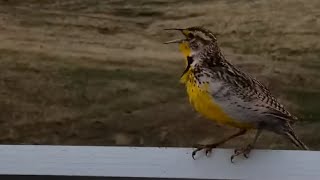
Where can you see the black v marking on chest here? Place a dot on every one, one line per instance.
(189, 60)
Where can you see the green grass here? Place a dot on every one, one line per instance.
(308, 103)
(52, 92)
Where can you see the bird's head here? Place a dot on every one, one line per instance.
(196, 44)
(195, 40)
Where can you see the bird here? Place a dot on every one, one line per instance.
(223, 93)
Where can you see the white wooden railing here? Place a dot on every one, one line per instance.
(92, 162)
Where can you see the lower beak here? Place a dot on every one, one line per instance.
(175, 41)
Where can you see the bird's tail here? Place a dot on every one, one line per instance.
(295, 140)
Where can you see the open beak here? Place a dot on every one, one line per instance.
(176, 40)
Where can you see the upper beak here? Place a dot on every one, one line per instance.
(176, 40)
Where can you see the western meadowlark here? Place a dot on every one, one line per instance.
(223, 93)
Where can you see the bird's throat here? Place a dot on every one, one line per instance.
(185, 49)
(186, 52)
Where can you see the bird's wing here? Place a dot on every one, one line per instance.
(248, 89)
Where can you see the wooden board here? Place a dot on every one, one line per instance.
(152, 162)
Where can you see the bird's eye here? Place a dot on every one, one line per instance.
(190, 36)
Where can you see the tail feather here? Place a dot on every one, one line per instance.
(295, 140)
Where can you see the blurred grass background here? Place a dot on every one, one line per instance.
(88, 72)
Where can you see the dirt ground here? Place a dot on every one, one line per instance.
(87, 72)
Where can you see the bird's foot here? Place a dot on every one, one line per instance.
(244, 151)
(207, 147)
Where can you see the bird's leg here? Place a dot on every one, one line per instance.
(246, 150)
(209, 147)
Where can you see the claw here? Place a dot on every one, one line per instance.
(208, 152)
(244, 151)
(231, 158)
(208, 148)
(236, 151)
(199, 148)
(193, 154)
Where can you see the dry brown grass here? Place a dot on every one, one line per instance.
(97, 73)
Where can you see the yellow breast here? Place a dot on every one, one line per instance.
(204, 103)
(201, 100)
